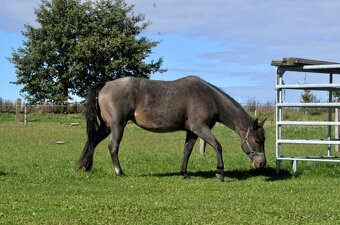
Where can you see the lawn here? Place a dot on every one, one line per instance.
(39, 183)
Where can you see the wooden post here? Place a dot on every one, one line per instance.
(203, 145)
(17, 110)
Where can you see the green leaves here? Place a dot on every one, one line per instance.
(79, 43)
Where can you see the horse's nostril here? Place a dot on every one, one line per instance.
(262, 164)
(259, 165)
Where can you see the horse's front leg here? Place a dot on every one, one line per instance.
(189, 144)
(115, 138)
(220, 165)
(205, 133)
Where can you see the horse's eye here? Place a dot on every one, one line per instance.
(257, 141)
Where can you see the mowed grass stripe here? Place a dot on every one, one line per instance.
(39, 183)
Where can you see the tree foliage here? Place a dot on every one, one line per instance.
(79, 43)
(308, 97)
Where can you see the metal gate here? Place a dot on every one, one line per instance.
(310, 66)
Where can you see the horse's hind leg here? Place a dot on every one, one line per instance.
(86, 159)
(115, 138)
(189, 144)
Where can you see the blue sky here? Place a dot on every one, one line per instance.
(229, 43)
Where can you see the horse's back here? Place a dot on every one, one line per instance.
(155, 105)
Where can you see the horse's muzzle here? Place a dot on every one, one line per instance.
(259, 162)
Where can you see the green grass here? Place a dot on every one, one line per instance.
(39, 183)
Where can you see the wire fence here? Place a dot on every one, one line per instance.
(7, 106)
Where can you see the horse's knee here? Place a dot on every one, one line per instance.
(113, 146)
(218, 147)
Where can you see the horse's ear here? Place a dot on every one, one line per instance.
(262, 122)
(256, 124)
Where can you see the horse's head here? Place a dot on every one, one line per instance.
(253, 144)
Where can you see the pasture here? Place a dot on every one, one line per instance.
(39, 183)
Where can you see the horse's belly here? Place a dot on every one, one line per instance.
(158, 121)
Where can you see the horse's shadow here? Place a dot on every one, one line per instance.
(3, 173)
(269, 173)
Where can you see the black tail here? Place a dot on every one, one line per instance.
(92, 109)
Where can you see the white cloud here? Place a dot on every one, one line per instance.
(262, 26)
(15, 13)
(241, 18)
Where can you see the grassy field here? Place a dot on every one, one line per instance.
(39, 183)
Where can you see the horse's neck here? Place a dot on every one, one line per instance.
(235, 117)
(231, 113)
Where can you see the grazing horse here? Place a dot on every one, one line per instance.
(190, 104)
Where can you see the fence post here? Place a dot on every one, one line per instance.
(25, 116)
(17, 110)
(202, 146)
(336, 133)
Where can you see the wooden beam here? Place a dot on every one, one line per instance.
(299, 62)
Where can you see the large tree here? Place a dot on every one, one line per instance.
(79, 43)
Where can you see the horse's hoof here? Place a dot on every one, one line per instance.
(186, 176)
(220, 177)
(121, 175)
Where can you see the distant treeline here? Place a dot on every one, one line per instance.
(7, 106)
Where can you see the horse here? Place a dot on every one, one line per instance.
(189, 104)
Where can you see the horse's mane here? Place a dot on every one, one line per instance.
(227, 96)
(235, 103)
(260, 132)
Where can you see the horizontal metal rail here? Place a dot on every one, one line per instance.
(310, 105)
(328, 66)
(308, 123)
(320, 87)
(308, 141)
(313, 159)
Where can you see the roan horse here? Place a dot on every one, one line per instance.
(190, 104)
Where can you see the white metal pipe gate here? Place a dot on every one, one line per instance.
(312, 66)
